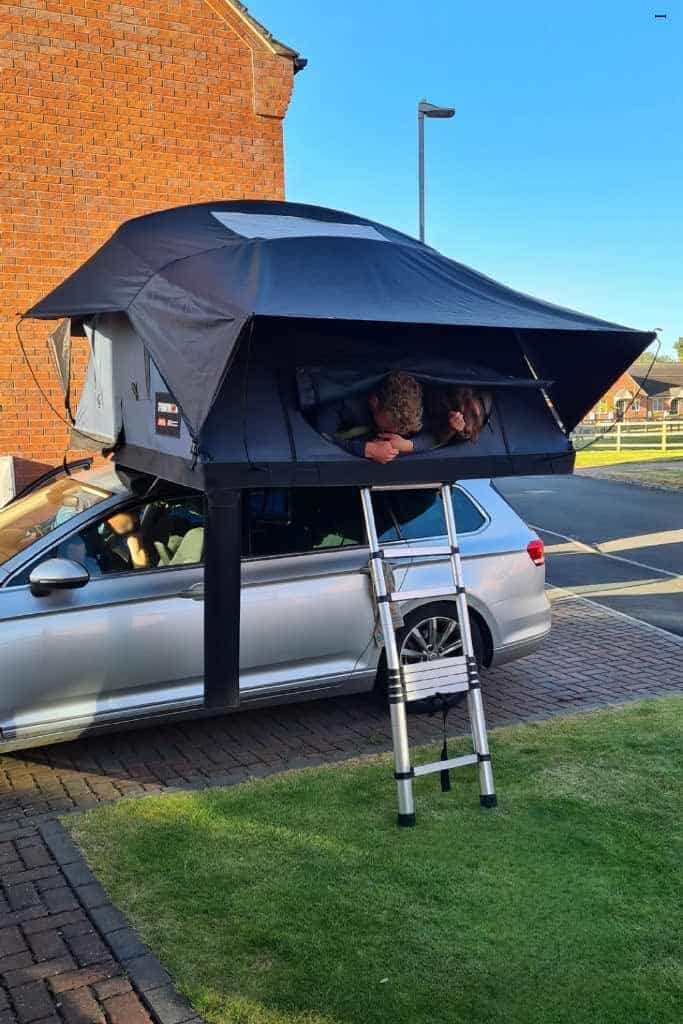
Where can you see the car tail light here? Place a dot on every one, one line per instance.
(536, 552)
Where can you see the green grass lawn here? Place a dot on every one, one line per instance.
(591, 457)
(295, 900)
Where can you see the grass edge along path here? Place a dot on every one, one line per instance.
(295, 900)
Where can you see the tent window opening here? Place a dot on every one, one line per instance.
(398, 414)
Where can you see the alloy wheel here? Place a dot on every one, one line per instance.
(435, 637)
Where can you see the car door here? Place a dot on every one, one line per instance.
(127, 643)
(308, 619)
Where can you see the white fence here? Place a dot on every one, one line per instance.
(660, 435)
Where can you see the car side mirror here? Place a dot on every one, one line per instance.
(57, 574)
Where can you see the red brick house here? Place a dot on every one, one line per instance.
(639, 395)
(107, 111)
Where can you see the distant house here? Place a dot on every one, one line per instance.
(639, 395)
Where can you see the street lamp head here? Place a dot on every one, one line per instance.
(425, 109)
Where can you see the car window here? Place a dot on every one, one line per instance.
(281, 521)
(419, 514)
(160, 534)
(300, 519)
(28, 519)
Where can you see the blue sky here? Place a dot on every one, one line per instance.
(562, 172)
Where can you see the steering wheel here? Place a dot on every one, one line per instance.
(114, 552)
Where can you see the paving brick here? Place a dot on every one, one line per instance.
(45, 923)
(77, 873)
(37, 972)
(32, 1001)
(59, 844)
(80, 927)
(22, 874)
(56, 881)
(35, 856)
(92, 895)
(58, 901)
(84, 976)
(88, 949)
(113, 987)
(11, 941)
(77, 1006)
(126, 1009)
(167, 1005)
(15, 961)
(146, 973)
(126, 943)
(47, 945)
(22, 895)
(107, 919)
(7, 1017)
(22, 916)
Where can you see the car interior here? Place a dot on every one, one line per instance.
(276, 522)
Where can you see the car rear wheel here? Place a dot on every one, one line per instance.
(434, 632)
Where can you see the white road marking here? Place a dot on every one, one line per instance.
(593, 550)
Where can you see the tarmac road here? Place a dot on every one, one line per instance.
(620, 545)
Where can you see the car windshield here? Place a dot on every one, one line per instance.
(32, 517)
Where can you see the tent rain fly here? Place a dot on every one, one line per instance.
(215, 329)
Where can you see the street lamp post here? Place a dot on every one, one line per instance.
(425, 109)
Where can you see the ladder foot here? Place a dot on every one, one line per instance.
(406, 820)
(488, 800)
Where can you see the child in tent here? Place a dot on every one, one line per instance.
(380, 425)
(456, 414)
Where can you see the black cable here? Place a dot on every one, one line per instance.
(245, 395)
(33, 375)
(599, 437)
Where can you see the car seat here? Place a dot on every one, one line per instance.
(190, 549)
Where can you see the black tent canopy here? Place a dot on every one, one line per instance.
(244, 314)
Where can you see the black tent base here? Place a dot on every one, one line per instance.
(362, 473)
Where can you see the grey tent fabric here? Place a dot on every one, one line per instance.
(59, 341)
(190, 284)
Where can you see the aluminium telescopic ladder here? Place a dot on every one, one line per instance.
(435, 677)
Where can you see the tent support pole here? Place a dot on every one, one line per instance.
(222, 585)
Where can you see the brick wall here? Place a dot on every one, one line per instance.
(108, 111)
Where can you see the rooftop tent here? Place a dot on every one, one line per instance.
(215, 328)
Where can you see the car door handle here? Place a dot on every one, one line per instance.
(193, 593)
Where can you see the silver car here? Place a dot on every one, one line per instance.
(101, 597)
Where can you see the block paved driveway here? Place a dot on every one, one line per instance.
(67, 955)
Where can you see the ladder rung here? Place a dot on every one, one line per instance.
(412, 595)
(455, 666)
(427, 678)
(415, 551)
(423, 690)
(406, 487)
(440, 766)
